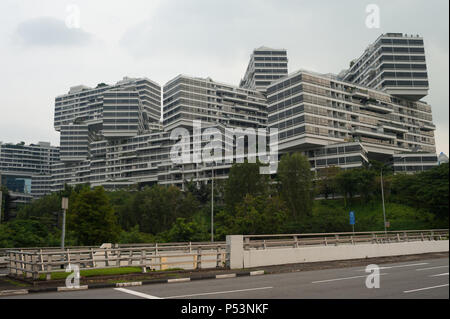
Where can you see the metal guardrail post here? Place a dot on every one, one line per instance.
(92, 256)
(106, 257)
(199, 257)
(143, 261)
(295, 242)
(118, 257)
(218, 257)
(337, 240)
(35, 266)
(48, 275)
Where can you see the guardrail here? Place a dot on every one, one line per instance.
(34, 263)
(299, 240)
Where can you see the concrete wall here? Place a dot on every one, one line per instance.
(240, 258)
(255, 258)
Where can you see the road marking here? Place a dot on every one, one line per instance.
(399, 266)
(444, 274)
(218, 292)
(427, 288)
(136, 293)
(337, 279)
(446, 266)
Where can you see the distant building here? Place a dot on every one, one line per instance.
(395, 63)
(442, 158)
(265, 66)
(26, 169)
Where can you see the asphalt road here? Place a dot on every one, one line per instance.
(413, 279)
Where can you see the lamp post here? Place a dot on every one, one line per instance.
(382, 198)
(212, 205)
(65, 206)
(1, 202)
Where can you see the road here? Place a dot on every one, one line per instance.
(414, 279)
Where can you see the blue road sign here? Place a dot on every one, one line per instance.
(352, 218)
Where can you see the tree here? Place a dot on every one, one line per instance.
(183, 231)
(91, 217)
(244, 179)
(294, 174)
(428, 190)
(254, 215)
(347, 184)
(365, 180)
(158, 207)
(326, 183)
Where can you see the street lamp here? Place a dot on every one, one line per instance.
(65, 206)
(212, 205)
(382, 198)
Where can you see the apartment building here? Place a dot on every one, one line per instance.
(26, 169)
(395, 63)
(187, 98)
(265, 66)
(312, 111)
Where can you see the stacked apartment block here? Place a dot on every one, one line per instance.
(112, 135)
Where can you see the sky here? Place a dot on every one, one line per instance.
(47, 46)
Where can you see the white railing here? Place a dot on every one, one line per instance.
(302, 240)
(34, 263)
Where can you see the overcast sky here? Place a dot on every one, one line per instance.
(40, 57)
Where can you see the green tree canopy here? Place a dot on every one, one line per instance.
(294, 174)
(91, 217)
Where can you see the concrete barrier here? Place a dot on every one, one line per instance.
(249, 258)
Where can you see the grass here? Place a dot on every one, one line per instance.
(15, 283)
(95, 272)
(104, 272)
(332, 216)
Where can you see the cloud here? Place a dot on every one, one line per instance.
(49, 32)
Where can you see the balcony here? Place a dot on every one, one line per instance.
(373, 132)
(373, 106)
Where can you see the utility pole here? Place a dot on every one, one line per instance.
(212, 205)
(1, 202)
(65, 206)
(382, 198)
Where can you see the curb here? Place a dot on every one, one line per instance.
(130, 284)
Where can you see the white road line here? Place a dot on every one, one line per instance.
(218, 292)
(337, 279)
(427, 288)
(420, 269)
(444, 274)
(136, 293)
(398, 266)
